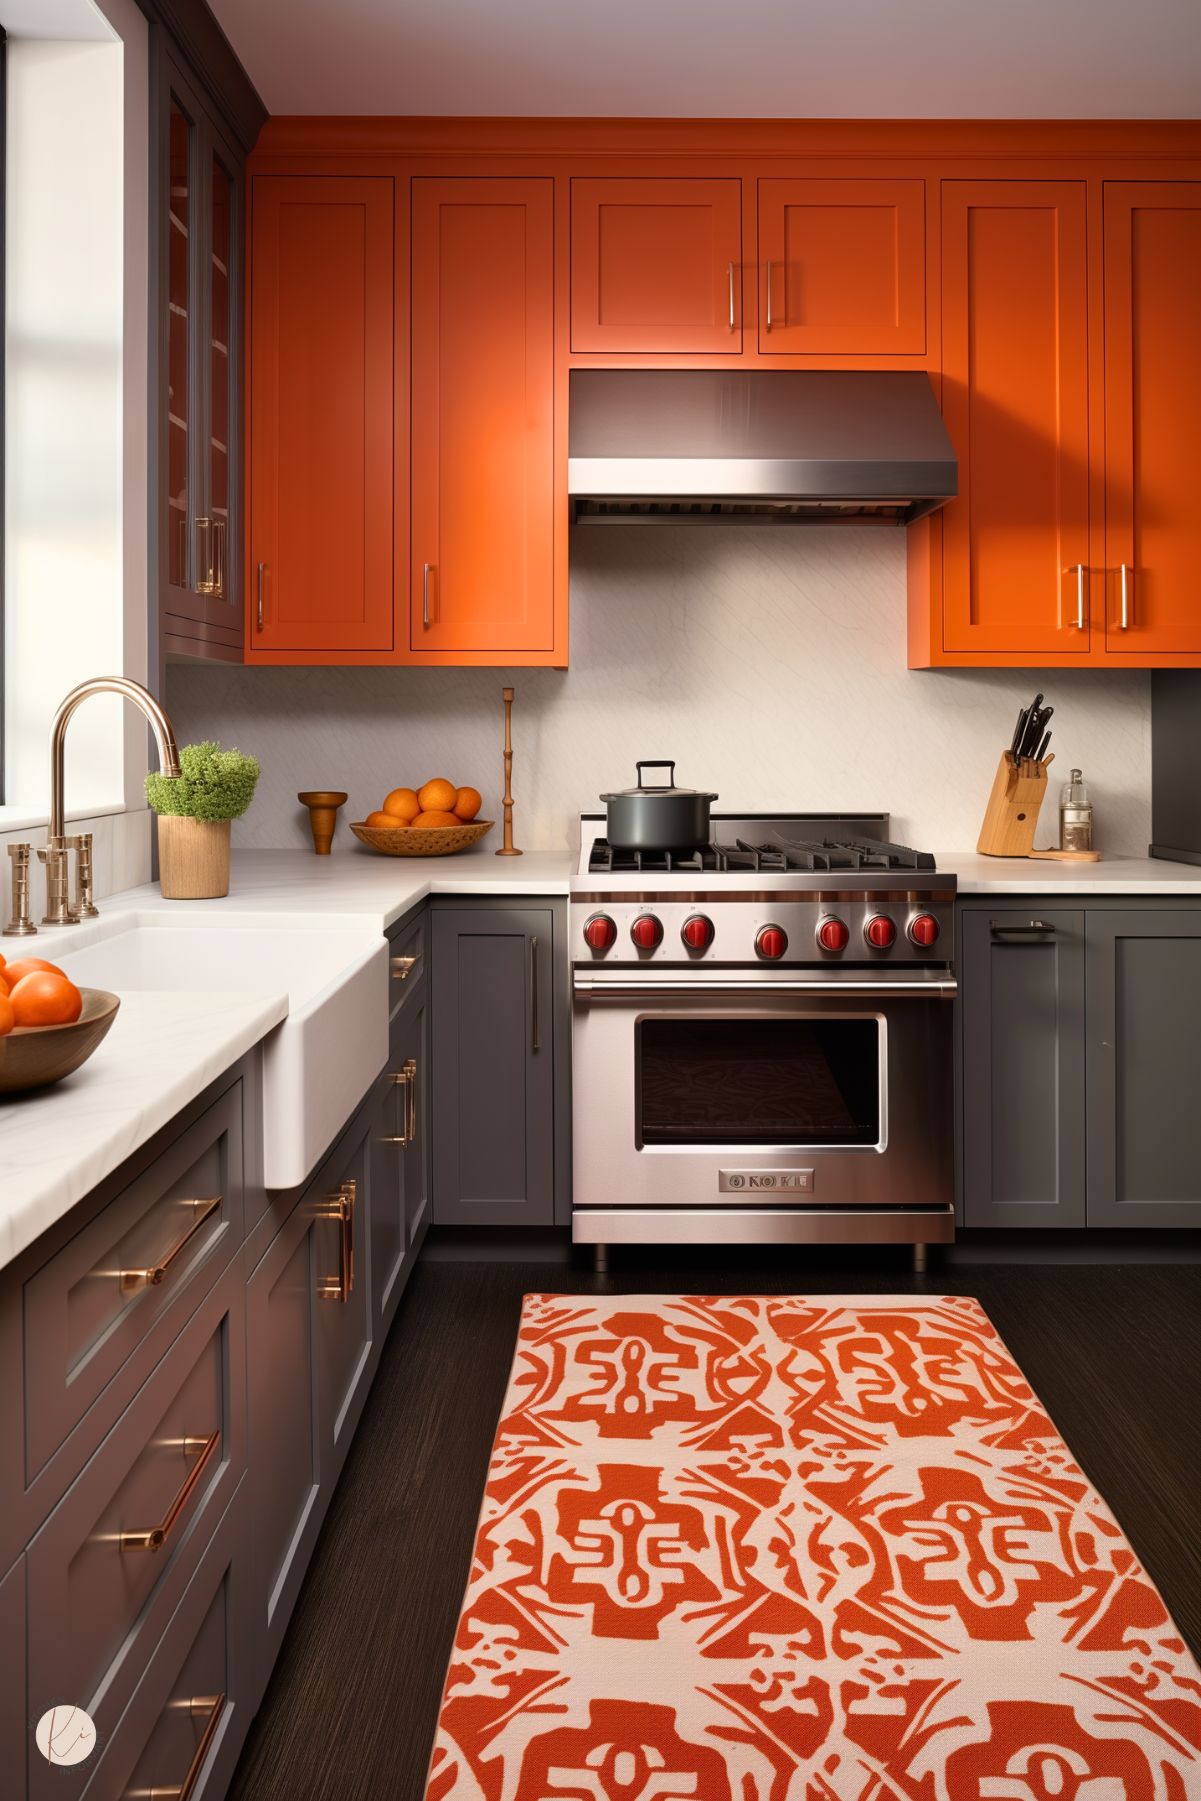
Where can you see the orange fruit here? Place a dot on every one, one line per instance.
(6, 1015)
(403, 803)
(437, 796)
(435, 817)
(388, 821)
(43, 998)
(24, 966)
(468, 802)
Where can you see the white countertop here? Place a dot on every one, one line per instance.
(1037, 875)
(165, 1049)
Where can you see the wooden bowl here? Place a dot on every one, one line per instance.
(422, 841)
(35, 1056)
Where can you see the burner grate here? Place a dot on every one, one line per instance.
(776, 856)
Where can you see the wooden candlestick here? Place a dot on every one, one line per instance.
(507, 848)
(323, 804)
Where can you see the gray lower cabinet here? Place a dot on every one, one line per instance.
(400, 1160)
(1081, 1063)
(1022, 985)
(309, 1341)
(1143, 1031)
(495, 1023)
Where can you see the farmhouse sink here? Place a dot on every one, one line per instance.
(319, 1062)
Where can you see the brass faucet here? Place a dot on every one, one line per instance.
(58, 910)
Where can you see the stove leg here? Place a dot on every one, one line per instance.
(921, 1258)
(600, 1259)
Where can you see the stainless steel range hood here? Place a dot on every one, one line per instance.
(697, 446)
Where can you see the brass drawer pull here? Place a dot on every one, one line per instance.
(214, 1706)
(407, 1079)
(150, 1278)
(341, 1207)
(402, 967)
(154, 1539)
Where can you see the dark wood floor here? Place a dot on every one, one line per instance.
(1114, 1352)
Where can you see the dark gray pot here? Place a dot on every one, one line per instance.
(658, 818)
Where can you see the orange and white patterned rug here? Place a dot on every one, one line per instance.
(814, 1548)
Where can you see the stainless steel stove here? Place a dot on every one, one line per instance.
(762, 1037)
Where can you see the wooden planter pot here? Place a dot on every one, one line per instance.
(193, 858)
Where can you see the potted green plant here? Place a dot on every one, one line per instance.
(194, 810)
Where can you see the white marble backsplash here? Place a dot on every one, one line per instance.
(768, 661)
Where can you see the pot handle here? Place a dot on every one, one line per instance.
(657, 763)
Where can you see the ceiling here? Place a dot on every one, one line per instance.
(942, 59)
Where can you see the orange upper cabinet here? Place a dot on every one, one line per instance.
(1152, 575)
(319, 560)
(1015, 545)
(483, 470)
(842, 268)
(656, 265)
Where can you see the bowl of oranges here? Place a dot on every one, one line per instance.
(434, 820)
(48, 1026)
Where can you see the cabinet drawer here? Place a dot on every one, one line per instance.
(407, 963)
(118, 1293)
(189, 1714)
(110, 1565)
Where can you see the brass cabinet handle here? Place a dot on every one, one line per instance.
(340, 1206)
(1125, 598)
(535, 1045)
(731, 269)
(425, 595)
(1080, 597)
(204, 554)
(130, 1279)
(769, 296)
(407, 1080)
(155, 1537)
(214, 1707)
(262, 573)
(403, 967)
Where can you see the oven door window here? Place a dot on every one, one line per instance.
(797, 1082)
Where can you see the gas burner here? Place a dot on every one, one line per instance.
(776, 854)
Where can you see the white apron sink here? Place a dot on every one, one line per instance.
(319, 1062)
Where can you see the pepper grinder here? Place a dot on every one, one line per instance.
(20, 925)
(83, 906)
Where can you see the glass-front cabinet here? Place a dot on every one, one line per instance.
(198, 378)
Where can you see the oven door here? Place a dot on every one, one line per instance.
(715, 1089)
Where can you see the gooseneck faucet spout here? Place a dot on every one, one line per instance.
(142, 699)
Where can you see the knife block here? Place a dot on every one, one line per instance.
(1011, 817)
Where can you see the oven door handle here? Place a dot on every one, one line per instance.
(590, 988)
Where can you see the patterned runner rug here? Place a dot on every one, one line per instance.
(811, 1548)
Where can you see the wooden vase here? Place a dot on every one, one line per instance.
(193, 857)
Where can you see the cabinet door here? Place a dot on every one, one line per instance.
(1143, 976)
(842, 268)
(493, 1063)
(321, 414)
(399, 1159)
(1015, 399)
(15, 1724)
(1152, 418)
(309, 1341)
(656, 265)
(1022, 999)
(483, 517)
(198, 237)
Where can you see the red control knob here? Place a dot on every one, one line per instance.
(646, 932)
(832, 935)
(771, 942)
(600, 934)
(697, 932)
(880, 932)
(923, 930)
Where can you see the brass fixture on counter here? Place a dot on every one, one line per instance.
(20, 925)
(323, 804)
(507, 848)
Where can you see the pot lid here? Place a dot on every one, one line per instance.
(661, 789)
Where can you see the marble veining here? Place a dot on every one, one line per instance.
(769, 661)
